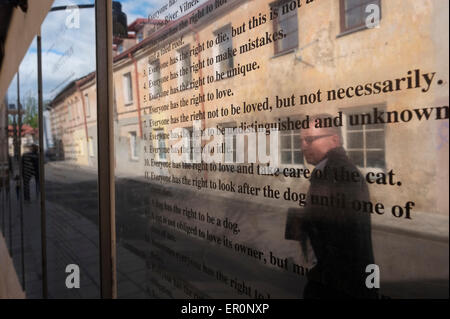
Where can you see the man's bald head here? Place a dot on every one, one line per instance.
(316, 142)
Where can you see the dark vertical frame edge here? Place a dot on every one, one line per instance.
(105, 147)
(42, 171)
(21, 179)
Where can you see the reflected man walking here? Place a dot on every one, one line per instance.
(339, 236)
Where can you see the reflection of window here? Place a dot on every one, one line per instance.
(115, 103)
(140, 37)
(229, 148)
(127, 88)
(91, 146)
(365, 144)
(190, 132)
(290, 148)
(133, 146)
(184, 72)
(223, 61)
(69, 112)
(78, 107)
(353, 13)
(80, 147)
(286, 21)
(87, 106)
(161, 144)
(154, 75)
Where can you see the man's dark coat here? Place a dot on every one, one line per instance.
(340, 235)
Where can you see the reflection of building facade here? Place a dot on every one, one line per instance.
(73, 118)
(311, 52)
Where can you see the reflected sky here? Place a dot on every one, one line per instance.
(68, 53)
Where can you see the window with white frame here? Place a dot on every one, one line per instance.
(114, 104)
(290, 148)
(127, 88)
(287, 21)
(154, 75)
(86, 105)
(365, 143)
(161, 139)
(81, 146)
(184, 68)
(69, 112)
(190, 132)
(78, 107)
(229, 148)
(140, 37)
(133, 146)
(354, 15)
(223, 61)
(91, 146)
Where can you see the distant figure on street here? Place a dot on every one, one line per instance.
(30, 168)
